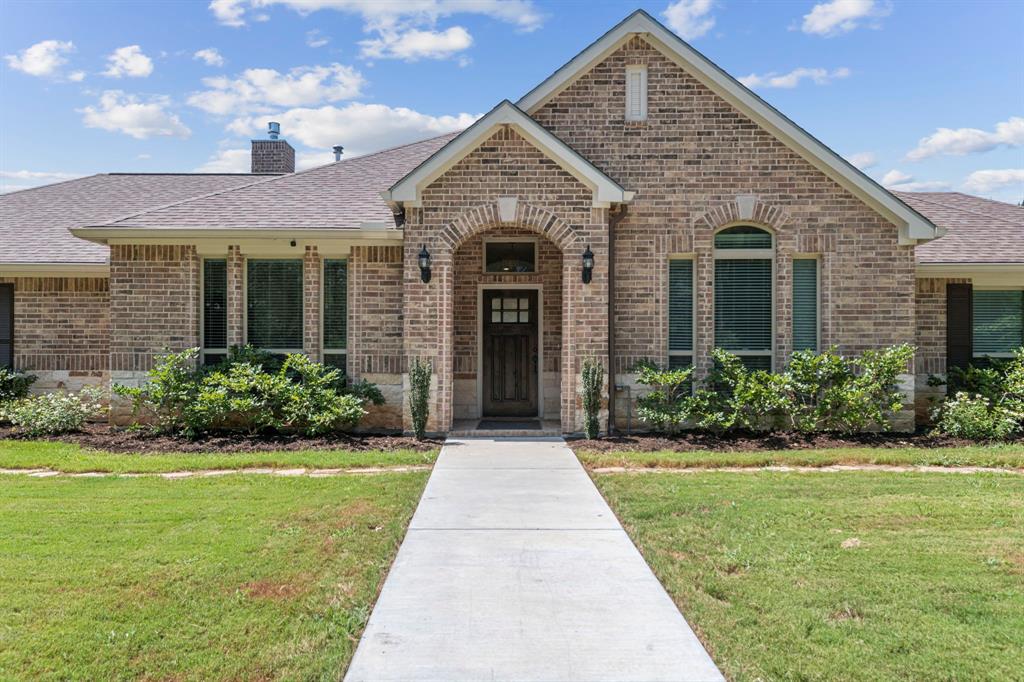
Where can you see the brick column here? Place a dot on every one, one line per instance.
(235, 296)
(311, 303)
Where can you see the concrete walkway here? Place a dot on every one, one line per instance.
(514, 568)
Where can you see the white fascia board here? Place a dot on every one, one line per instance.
(407, 190)
(913, 226)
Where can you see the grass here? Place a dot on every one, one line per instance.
(1004, 456)
(16, 454)
(935, 589)
(238, 577)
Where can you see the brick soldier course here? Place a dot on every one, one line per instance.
(558, 167)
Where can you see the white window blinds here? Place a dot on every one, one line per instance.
(636, 93)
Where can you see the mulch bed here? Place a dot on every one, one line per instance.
(688, 441)
(111, 439)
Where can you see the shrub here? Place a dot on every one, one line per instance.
(419, 395)
(669, 404)
(14, 385)
(172, 386)
(736, 398)
(593, 383)
(992, 404)
(975, 417)
(54, 413)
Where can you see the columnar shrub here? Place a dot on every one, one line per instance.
(419, 395)
(593, 384)
(58, 412)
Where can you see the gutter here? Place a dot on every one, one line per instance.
(613, 222)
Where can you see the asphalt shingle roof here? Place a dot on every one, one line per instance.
(341, 195)
(977, 230)
(34, 222)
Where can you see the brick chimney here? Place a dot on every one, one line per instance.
(273, 155)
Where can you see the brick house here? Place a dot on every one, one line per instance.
(638, 204)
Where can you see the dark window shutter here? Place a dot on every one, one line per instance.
(7, 325)
(959, 342)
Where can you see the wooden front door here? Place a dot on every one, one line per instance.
(510, 353)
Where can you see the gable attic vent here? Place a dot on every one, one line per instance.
(636, 93)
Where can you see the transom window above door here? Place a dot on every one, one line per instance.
(510, 256)
(510, 310)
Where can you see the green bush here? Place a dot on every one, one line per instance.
(419, 395)
(974, 416)
(250, 393)
(54, 413)
(593, 384)
(14, 385)
(816, 393)
(991, 406)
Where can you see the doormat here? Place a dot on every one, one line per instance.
(503, 425)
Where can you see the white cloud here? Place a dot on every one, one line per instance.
(227, 161)
(863, 160)
(260, 89)
(840, 16)
(689, 18)
(76, 76)
(361, 128)
(122, 113)
(987, 181)
(793, 78)
(962, 141)
(144, 157)
(315, 38)
(210, 55)
(904, 182)
(415, 44)
(128, 61)
(26, 179)
(42, 59)
(228, 12)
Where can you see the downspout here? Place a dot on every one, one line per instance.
(613, 221)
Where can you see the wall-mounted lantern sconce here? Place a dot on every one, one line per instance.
(588, 265)
(424, 262)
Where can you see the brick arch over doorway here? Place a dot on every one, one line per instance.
(510, 212)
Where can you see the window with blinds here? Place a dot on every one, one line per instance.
(744, 298)
(805, 304)
(274, 304)
(636, 93)
(680, 313)
(215, 311)
(335, 321)
(7, 325)
(998, 325)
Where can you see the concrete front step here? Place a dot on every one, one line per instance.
(505, 433)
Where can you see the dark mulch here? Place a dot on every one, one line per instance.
(111, 439)
(768, 441)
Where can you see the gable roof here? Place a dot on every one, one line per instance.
(913, 226)
(34, 222)
(407, 190)
(344, 195)
(978, 231)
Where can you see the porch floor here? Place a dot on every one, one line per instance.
(496, 427)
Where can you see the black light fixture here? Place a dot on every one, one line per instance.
(424, 261)
(588, 265)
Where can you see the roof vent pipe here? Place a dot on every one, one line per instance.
(338, 150)
(273, 130)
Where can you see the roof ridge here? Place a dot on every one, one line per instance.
(52, 184)
(962, 209)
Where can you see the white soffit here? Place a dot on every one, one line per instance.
(913, 226)
(407, 190)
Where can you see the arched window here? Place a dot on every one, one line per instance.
(745, 294)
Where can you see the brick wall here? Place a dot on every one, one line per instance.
(689, 163)
(930, 297)
(62, 329)
(461, 204)
(154, 303)
(272, 156)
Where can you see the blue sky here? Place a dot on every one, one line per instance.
(921, 95)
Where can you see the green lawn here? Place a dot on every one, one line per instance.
(19, 454)
(933, 587)
(237, 577)
(1004, 456)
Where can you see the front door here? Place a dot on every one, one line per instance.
(510, 353)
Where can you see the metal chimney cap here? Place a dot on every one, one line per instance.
(338, 151)
(273, 129)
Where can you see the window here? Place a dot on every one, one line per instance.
(335, 314)
(805, 304)
(680, 314)
(636, 93)
(510, 310)
(274, 305)
(215, 311)
(998, 325)
(7, 325)
(510, 256)
(744, 298)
